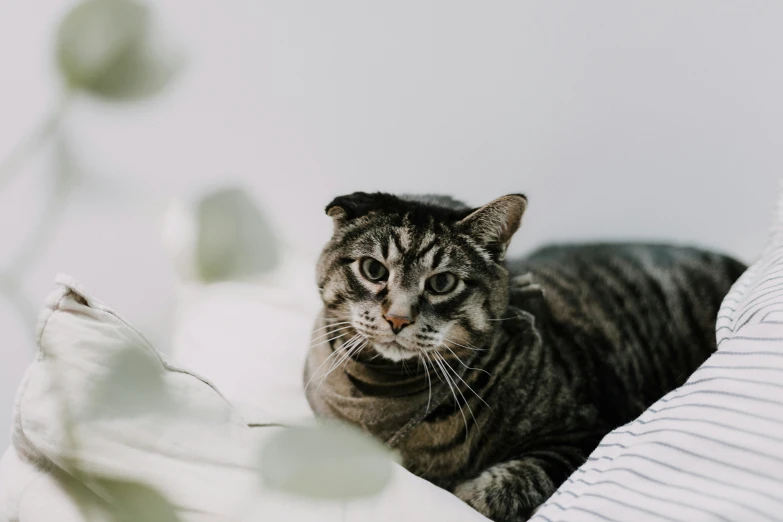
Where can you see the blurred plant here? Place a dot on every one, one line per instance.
(221, 237)
(328, 460)
(132, 387)
(106, 49)
(106, 499)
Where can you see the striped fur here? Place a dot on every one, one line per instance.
(539, 357)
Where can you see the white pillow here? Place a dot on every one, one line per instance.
(252, 340)
(711, 450)
(202, 458)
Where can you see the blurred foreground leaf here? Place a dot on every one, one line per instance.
(132, 386)
(326, 461)
(106, 47)
(135, 502)
(233, 239)
(117, 500)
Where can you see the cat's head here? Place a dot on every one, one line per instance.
(414, 274)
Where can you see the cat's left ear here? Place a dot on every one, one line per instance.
(495, 223)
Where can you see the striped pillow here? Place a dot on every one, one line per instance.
(711, 450)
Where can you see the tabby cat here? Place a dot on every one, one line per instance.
(495, 379)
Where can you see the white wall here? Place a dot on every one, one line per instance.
(657, 120)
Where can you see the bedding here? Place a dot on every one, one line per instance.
(193, 446)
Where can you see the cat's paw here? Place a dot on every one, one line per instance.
(495, 494)
(475, 493)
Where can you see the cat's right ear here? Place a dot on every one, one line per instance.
(338, 214)
(343, 209)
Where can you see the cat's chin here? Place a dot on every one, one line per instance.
(394, 351)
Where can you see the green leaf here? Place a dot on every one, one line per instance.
(326, 461)
(133, 502)
(233, 239)
(106, 47)
(133, 386)
(116, 500)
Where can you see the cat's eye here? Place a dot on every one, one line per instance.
(373, 269)
(442, 283)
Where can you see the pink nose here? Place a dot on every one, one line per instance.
(397, 322)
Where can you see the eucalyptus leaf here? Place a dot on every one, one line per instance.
(131, 501)
(326, 461)
(132, 386)
(92, 508)
(233, 239)
(107, 47)
(116, 500)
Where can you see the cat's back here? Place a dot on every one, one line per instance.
(630, 262)
(644, 313)
(646, 282)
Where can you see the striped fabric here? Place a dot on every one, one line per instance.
(711, 450)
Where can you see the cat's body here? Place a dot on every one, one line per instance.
(553, 352)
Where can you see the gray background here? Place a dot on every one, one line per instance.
(623, 120)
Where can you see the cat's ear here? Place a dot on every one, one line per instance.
(338, 214)
(342, 209)
(495, 223)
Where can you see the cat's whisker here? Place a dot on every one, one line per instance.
(429, 380)
(333, 354)
(315, 373)
(462, 363)
(475, 422)
(356, 348)
(357, 351)
(468, 385)
(347, 352)
(449, 383)
(331, 322)
(344, 349)
(433, 367)
(318, 343)
(471, 348)
(329, 325)
(328, 334)
(333, 365)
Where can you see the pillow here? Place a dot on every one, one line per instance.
(197, 451)
(252, 340)
(711, 450)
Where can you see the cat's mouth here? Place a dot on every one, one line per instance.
(394, 350)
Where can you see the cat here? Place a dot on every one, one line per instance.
(495, 379)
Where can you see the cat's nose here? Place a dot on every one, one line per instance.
(398, 322)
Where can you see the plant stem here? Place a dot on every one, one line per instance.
(11, 166)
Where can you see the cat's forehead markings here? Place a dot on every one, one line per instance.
(399, 243)
(440, 256)
(378, 251)
(394, 246)
(428, 251)
(428, 243)
(402, 236)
